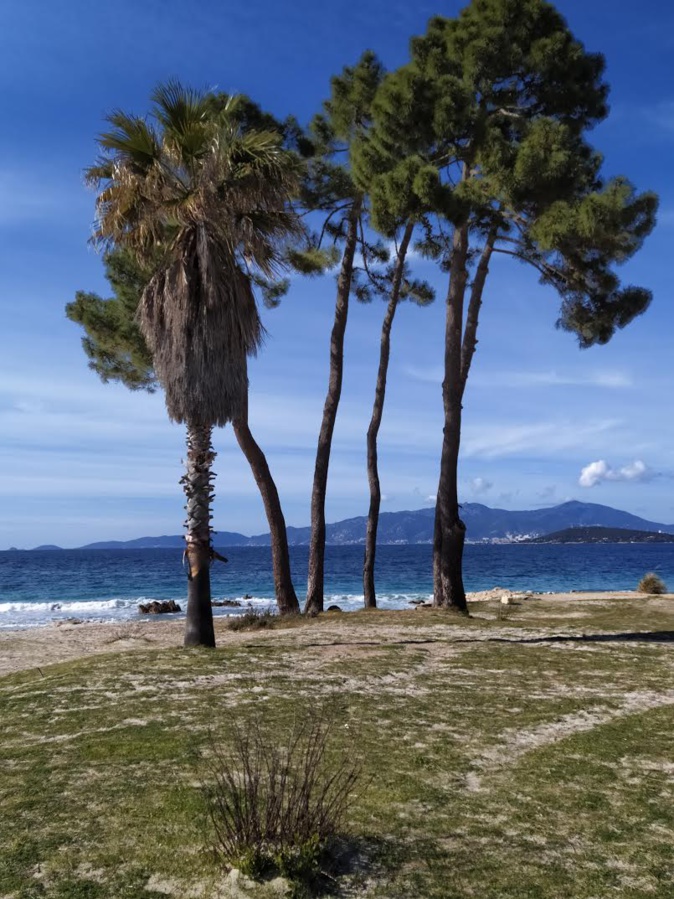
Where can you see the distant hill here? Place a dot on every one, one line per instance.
(167, 542)
(603, 535)
(483, 525)
(394, 527)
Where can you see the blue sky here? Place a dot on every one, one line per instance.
(544, 422)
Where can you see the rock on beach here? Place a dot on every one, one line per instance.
(157, 607)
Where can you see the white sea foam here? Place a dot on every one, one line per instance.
(37, 614)
(32, 614)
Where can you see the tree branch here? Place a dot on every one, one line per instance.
(548, 271)
(470, 333)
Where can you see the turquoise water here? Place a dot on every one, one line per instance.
(39, 587)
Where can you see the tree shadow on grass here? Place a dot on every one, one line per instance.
(625, 637)
(358, 863)
(621, 637)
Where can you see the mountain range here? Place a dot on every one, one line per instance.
(483, 525)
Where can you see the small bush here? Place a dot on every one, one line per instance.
(651, 583)
(504, 611)
(276, 808)
(252, 620)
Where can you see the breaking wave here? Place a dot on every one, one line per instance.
(14, 614)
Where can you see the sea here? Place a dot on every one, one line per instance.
(41, 587)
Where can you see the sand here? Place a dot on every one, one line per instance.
(32, 648)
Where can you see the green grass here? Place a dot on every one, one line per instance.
(497, 763)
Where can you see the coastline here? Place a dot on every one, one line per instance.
(31, 648)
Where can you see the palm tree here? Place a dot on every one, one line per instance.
(206, 203)
(117, 352)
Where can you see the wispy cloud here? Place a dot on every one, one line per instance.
(523, 379)
(511, 379)
(597, 472)
(666, 217)
(480, 486)
(493, 441)
(548, 495)
(432, 374)
(662, 115)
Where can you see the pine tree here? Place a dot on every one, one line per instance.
(392, 174)
(501, 98)
(331, 189)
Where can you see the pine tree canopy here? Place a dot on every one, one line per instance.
(329, 187)
(116, 349)
(486, 129)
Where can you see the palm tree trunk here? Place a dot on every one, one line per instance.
(286, 598)
(198, 486)
(450, 531)
(369, 595)
(316, 578)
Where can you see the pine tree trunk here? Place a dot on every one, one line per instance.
(316, 579)
(369, 594)
(450, 531)
(448, 568)
(198, 486)
(286, 598)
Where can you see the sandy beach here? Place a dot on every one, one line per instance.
(30, 648)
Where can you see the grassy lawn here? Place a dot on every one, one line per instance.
(500, 759)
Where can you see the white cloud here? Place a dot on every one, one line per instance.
(481, 485)
(597, 472)
(431, 498)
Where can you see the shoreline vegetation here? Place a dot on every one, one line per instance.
(527, 749)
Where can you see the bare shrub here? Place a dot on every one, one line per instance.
(131, 631)
(652, 583)
(253, 620)
(276, 808)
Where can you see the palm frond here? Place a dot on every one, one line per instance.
(210, 203)
(177, 107)
(131, 138)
